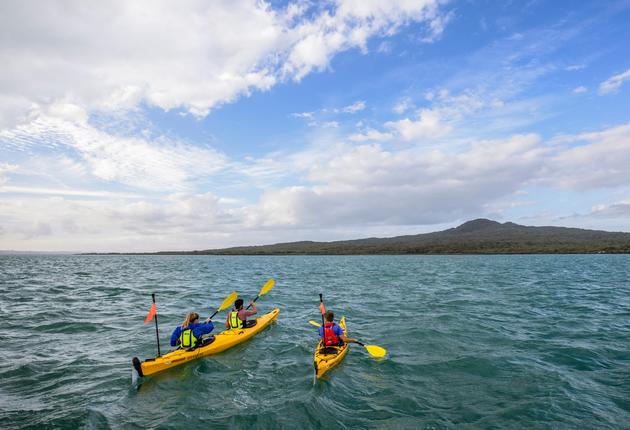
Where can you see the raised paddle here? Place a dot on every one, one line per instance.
(229, 300)
(374, 350)
(322, 309)
(264, 290)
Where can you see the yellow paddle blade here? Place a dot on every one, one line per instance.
(376, 351)
(229, 300)
(316, 324)
(268, 286)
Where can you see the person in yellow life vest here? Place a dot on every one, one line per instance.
(189, 334)
(237, 318)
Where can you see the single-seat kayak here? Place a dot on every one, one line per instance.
(327, 357)
(222, 341)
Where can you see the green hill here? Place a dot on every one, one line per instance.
(480, 236)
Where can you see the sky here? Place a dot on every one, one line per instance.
(159, 125)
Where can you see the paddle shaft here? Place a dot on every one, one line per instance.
(321, 303)
(157, 333)
(250, 305)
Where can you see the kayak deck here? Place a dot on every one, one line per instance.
(327, 357)
(222, 341)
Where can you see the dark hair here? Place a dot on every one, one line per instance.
(330, 316)
(238, 303)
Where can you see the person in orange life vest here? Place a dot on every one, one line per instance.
(237, 318)
(331, 333)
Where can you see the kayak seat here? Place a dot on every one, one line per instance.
(329, 350)
(249, 323)
(204, 341)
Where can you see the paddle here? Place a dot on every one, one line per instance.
(264, 290)
(226, 303)
(374, 350)
(322, 309)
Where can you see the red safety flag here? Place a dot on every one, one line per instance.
(151, 313)
(322, 308)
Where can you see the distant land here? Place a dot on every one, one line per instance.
(480, 236)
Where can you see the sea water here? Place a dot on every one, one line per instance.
(474, 342)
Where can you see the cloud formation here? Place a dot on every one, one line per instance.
(446, 136)
(612, 84)
(345, 184)
(137, 162)
(189, 55)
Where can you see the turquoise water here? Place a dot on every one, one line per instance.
(518, 342)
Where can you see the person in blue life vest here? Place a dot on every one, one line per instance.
(190, 333)
(237, 318)
(331, 333)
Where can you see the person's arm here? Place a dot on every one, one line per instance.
(207, 327)
(175, 336)
(249, 313)
(346, 339)
(227, 321)
(199, 329)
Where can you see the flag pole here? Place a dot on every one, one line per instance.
(157, 333)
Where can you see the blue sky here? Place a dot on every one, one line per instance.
(161, 126)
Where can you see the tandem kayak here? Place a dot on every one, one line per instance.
(222, 341)
(327, 357)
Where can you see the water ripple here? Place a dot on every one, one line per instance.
(519, 342)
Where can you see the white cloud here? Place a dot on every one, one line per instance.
(108, 223)
(64, 192)
(437, 27)
(371, 135)
(362, 187)
(612, 84)
(428, 125)
(366, 184)
(575, 67)
(620, 209)
(6, 168)
(159, 164)
(591, 160)
(186, 55)
(369, 185)
(403, 105)
(579, 90)
(303, 115)
(354, 108)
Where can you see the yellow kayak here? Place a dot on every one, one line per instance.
(326, 358)
(224, 340)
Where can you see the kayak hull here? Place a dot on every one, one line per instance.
(224, 340)
(325, 358)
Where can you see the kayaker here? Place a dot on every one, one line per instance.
(238, 317)
(331, 333)
(189, 334)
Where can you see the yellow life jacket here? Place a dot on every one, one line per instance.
(235, 321)
(187, 339)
